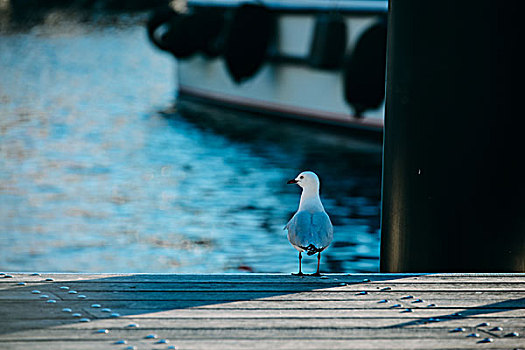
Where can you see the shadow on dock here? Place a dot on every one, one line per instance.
(257, 311)
(35, 302)
(486, 309)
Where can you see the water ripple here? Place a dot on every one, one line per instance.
(99, 173)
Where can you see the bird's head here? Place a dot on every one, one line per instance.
(306, 179)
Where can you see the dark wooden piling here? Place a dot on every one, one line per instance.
(453, 184)
(262, 311)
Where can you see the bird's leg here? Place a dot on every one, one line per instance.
(300, 273)
(318, 263)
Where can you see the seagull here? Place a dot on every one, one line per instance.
(310, 229)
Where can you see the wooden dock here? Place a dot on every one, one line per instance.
(262, 311)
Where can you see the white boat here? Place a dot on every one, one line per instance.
(316, 60)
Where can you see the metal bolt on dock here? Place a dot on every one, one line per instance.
(513, 334)
(458, 329)
(486, 340)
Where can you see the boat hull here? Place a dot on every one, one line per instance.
(287, 88)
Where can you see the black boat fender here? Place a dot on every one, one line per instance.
(250, 33)
(212, 40)
(365, 69)
(158, 24)
(329, 41)
(185, 34)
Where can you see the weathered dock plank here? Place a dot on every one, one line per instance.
(229, 313)
(255, 311)
(269, 278)
(317, 304)
(297, 287)
(273, 343)
(257, 332)
(158, 325)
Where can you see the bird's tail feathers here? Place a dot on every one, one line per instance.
(311, 249)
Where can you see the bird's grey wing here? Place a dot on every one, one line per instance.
(298, 229)
(307, 228)
(324, 231)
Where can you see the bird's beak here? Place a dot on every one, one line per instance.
(294, 181)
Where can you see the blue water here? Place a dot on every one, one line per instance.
(100, 172)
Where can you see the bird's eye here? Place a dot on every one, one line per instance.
(301, 177)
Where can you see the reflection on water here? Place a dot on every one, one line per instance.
(99, 173)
